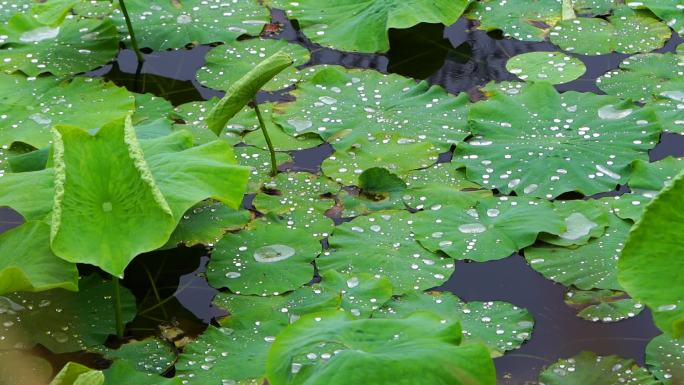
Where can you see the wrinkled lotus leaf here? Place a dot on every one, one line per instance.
(494, 228)
(253, 260)
(395, 152)
(670, 11)
(602, 305)
(440, 184)
(591, 266)
(541, 143)
(367, 22)
(74, 373)
(29, 108)
(28, 264)
(151, 355)
(226, 63)
(323, 348)
(500, 326)
(162, 25)
(647, 269)
(649, 178)
(383, 244)
(584, 220)
(69, 48)
(167, 176)
(60, 320)
(527, 20)
(205, 224)
(626, 31)
(665, 359)
(588, 368)
(379, 190)
(259, 162)
(594, 7)
(10, 7)
(299, 199)
(122, 372)
(552, 67)
(347, 106)
(18, 367)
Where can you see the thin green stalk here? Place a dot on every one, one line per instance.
(155, 291)
(118, 316)
(129, 25)
(274, 166)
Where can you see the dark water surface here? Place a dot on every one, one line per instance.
(456, 58)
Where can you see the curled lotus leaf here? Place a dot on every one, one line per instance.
(491, 229)
(588, 368)
(541, 143)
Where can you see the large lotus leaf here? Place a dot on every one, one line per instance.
(395, 152)
(630, 206)
(333, 348)
(542, 143)
(665, 358)
(649, 268)
(28, 193)
(670, 11)
(299, 198)
(441, 184)
(594, 7)
(226, 63)
(588, 368)
(500, 326)
(649, 178)
(19, 367)
(69, 48)
(205, 224)
(360, 293)
(162, 25)
(98, 176)
(626, 31)
(28, 264)
(670, 111)
(383, 244)
(29, 107)
(61, 320)
(552, 67)
(259, 162)
(149, 108)
(122, 372)
(494, 228)
(527, 20)
(591, 266)
(266, 258)
(151, 355)
(602, 305)
(281, 140)
(363, 26)
(10, 7)
(346, 106)
(194, 115)
(583, 220)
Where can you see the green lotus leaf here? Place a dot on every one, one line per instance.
(649, 178)
(552, 67)
(259, 162)
(646, 267)
(602, 305)
(28, 264)
(593, 7)
(61, 320)
(194, 115)
(440, 184)
(122, 372)
(227, 62)
(299, 200)
(74, 373)
(541, 143)
(167, 176)
(670, 113)
(383, 244)
(151, 355)
(670, 11)
(361, 293)
(493, 228)
(527, 20)
(367, 22)
(505, 87)
(591, 266)
(395, 152)
(94, 8)
(500, 326)
(627, 31)
(584, 220)
(21, 161)
(379, 190)
(206, 222)
(161, 25)
(20, 367)
(665, 359)
(334, 348)
(348, 106)
(588, 368)
(629, 206)
(29, 193)
(253, 260)
(9, 8)
(151, 108)
(29, 108)
(282, 141)
(73, 46)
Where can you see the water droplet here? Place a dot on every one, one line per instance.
(184, 19)
(667, 307)
(353, 282)
(273, 253)
(577, 226)
(612, 113)
(39, 34)
(300, 125)
(472, 228)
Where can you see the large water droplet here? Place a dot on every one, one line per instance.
(273, 253)
(39, 34)
(612, 113)
(472, 228)
(577, 226)
(299, 125)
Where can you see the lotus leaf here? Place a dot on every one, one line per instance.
(594, 7)
(602, 305)
(552, 67)
(584, 220)
(151, 355)
(206, 222)
(670, 11)
(10, 7)
(74, 373)
(588, 368)
(649, 178)
(665, 357)
(527, 20)
(442, 184)
(259, 162)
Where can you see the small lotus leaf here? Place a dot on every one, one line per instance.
(527, 20)
(602, 305)
(588, 368)
(552, 67)
(665, 358)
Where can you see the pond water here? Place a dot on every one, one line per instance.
(455, 58)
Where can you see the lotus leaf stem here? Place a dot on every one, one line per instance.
(274, 166)
(129, 25)
(118, 316)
